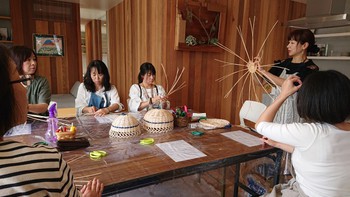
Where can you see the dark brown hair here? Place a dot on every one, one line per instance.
(7, 113)
(101, 69)
(20, 54)
(302, 36)
(144, 69)
(324, 97)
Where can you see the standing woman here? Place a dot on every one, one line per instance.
(146, 93)
(300, 42)
(96, 95)
(38, 89)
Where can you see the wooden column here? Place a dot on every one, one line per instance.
(93, 40)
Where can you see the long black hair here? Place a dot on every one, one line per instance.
(102, 69)
(324, 97)
(7, 100)
(144, 69)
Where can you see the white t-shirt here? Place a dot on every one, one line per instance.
(321, 156)
(83, 97)
(135, 94)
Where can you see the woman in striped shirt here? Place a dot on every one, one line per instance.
(27, 170)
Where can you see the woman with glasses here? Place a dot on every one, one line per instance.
(38, 88)
(97, 95)
(146, 93)
(30, 170)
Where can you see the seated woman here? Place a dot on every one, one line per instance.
(320, 146)
(27, 170)
(96, 95)
(38, 89)
(146, 94)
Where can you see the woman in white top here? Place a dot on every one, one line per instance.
(96, 95)
(320, 147)
(146, 93)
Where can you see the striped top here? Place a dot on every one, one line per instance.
(34, 171)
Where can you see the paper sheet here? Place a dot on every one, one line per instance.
(180, 150)
(243, 138)
(109, 118)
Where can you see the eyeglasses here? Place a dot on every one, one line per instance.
(25, 80)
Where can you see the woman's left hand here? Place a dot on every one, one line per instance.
(101, 112)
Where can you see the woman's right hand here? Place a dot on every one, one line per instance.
(157, 99)
(291, 85)
(93, 188)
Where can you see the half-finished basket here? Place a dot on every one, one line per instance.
(125, 126)
(158, 121)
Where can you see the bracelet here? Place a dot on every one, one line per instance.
(108, 110)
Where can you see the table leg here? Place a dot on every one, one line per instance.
(278, 160)
(235, 190)
(223, 182)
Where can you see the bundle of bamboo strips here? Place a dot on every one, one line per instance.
(174, 88)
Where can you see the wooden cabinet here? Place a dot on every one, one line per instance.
(5, 23)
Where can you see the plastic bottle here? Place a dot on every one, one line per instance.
(52, 123)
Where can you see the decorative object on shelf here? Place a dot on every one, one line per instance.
(202, 20)
(191, 40)
(181, 116)
(48, 45)
(125, 126)
(3, 34)
(158, 121)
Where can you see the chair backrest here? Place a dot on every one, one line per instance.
(251, 110)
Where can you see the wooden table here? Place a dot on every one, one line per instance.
(130, 165)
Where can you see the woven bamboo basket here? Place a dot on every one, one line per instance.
(125, 126)
(158, 121)
(65, 135)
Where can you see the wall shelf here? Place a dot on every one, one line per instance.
(329, 57)
(6, 41)
(5, 18)
(341, 34)
(203, 20)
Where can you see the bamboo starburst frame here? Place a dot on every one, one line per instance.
(250, 68)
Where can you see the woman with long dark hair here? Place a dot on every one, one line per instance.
(96, 95)
(145, 94)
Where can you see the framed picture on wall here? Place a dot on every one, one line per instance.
(48, 45)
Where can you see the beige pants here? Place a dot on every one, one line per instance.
(290, 189)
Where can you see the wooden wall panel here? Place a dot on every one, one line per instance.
(93, 40)
(143, 30)
(62, 72)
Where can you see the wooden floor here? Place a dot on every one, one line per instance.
(206, 184)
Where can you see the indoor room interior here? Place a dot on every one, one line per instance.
(180, 38)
